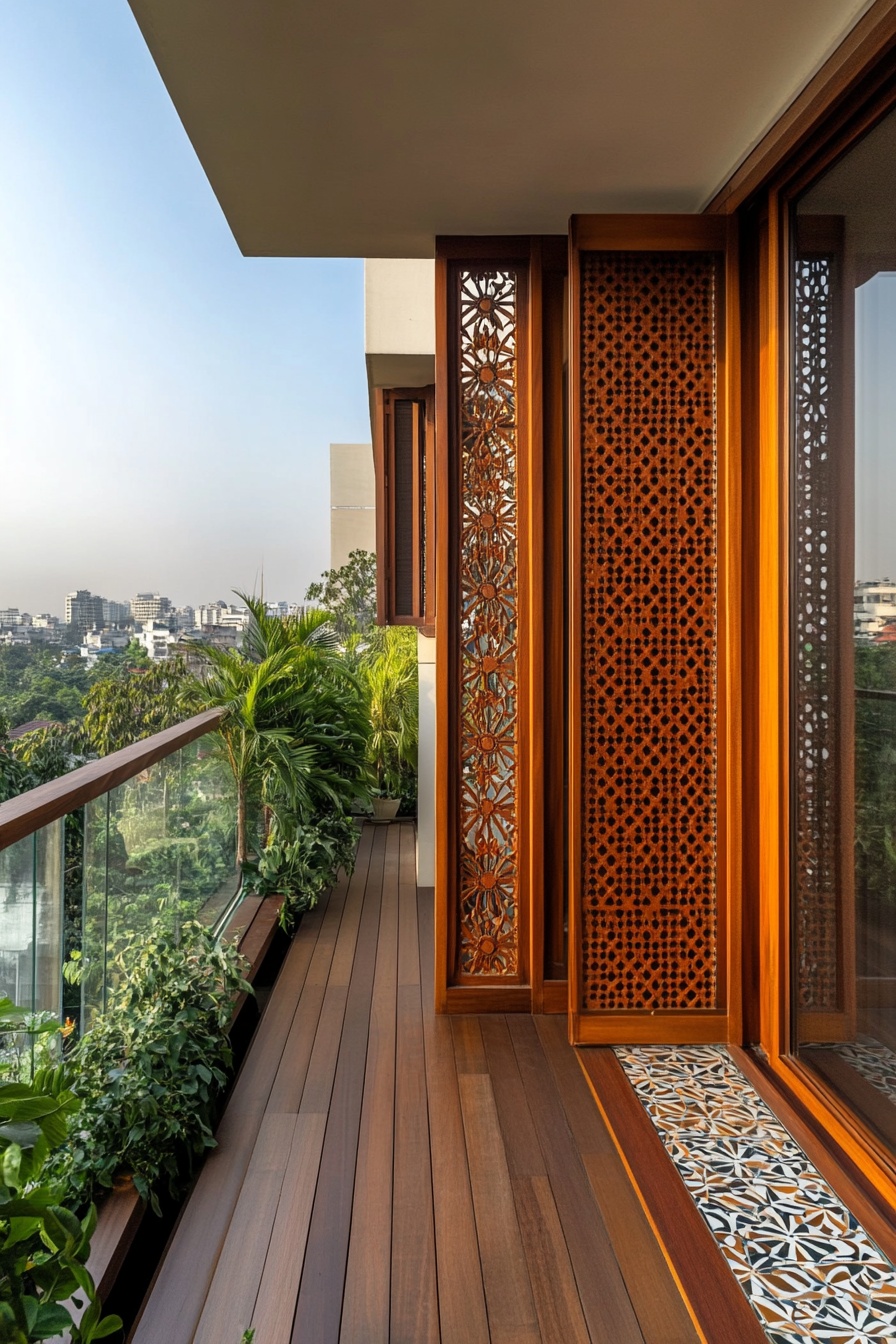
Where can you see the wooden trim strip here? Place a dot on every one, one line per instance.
(645, 233)
(38, 807)
(871, 38)
(684, 1027)
(714, 1298)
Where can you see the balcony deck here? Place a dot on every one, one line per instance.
(384, 1174)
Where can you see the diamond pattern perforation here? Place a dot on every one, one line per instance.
(488, 374)
(649, 566)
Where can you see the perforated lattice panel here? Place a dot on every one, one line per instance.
(488, 378)
(649, 323)
(815, 720)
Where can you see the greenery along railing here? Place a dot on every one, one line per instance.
(159, 843)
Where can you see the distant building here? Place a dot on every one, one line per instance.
(874, 605)
(157, 639)
(184, 618)
(352, 501)
(11, 618)
(222, 614)
(116, 613)
(84, 610)
(149, 607)
(98, 642)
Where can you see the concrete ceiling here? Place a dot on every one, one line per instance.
(354, 128)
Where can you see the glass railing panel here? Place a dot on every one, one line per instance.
(206, 818)
(31, 878)
(159, 848)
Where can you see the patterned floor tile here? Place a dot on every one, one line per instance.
(810, 1271)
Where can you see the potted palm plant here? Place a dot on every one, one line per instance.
(389, 675)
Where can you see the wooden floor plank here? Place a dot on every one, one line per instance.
(387, 1176)
(414, 1314)
(605, 1301)
(172, 1308)
(554, 1290)
(325, 987)
(659, 1306)
(234, 1287)
(276, 1301)
(508, 1292)
(547, 1256)
(716, 1300)
(462, 1312)
(366, 1302)
(319, 1306)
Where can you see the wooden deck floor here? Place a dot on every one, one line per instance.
(384, 1174)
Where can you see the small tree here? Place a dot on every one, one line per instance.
(136, 704)
(349, 594)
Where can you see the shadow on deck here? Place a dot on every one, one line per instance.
(384, 1174)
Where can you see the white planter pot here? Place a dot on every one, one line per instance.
(385, 809)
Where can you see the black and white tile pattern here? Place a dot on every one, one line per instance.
(808, 1269)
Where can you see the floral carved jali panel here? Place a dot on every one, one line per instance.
(814, 711)
(649, 359)
(487, 419)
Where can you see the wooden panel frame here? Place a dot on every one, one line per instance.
(870, 96)
(423, 520)
(666, 233)
(536, 650)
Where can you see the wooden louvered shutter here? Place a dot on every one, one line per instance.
(403, 447)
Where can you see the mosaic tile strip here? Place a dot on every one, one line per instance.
(809, 1270)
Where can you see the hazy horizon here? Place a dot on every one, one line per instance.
(166, 404)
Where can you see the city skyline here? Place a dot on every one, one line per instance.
(166, 405)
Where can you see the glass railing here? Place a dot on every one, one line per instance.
(159, 844)
(31, 878)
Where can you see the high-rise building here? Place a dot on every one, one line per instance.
(116, 613)
(149, 607)
(84, 610)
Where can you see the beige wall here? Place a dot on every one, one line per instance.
(352, 501)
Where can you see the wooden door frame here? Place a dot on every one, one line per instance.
(862, 91)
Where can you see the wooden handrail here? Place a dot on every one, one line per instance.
(48, 802)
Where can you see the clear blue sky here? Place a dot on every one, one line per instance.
(166, 404)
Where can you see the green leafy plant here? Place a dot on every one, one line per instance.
(294, 727)
(388, 671)
(43, 1244)
(302, 863)
(28, 1041)
(151, 1068)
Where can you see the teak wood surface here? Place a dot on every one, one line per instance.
(648, 234)
(386, 1173)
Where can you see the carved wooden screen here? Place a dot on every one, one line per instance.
(650, 912)
(484, 702)
(822, 710)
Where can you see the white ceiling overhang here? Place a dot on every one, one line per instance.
(354, 128)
